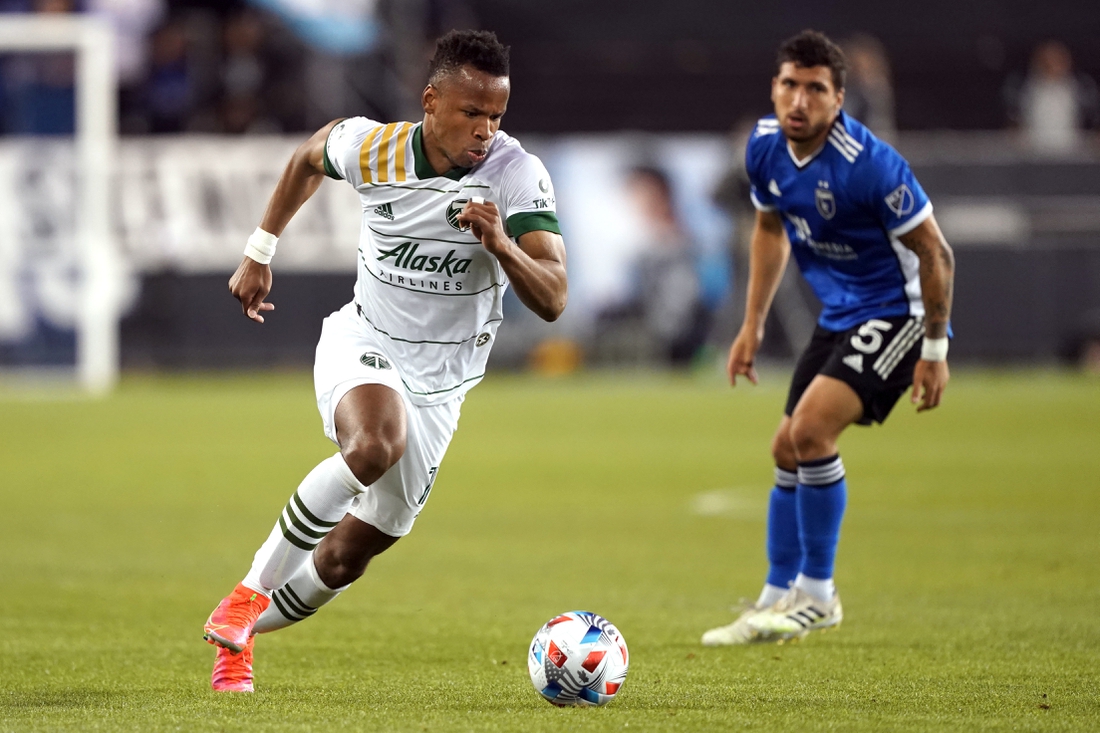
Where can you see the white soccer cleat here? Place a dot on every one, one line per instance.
(739, 632)
(794, 615)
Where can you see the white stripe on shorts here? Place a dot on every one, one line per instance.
(896, 350)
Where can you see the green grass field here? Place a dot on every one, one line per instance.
(968, 565)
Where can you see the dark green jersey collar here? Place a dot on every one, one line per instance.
(424, 169)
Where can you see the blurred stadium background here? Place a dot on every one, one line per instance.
(640, 111)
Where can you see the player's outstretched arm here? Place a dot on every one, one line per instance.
(767, 260)
(251, 282)
(937, 279)
(535, 268)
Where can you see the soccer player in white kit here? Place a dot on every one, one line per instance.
(454, 210)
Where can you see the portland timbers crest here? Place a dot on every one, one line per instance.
(826, 203)
(452, 214)
(374, 360)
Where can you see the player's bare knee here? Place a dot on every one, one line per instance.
(783, 451)
(347, 573)
(340, 574)
(340, 563)
(369, 457)
(807, 439)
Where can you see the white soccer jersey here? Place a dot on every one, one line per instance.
(426, 284)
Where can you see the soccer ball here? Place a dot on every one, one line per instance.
(578, 658)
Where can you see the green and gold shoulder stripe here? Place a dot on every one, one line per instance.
(383, 157)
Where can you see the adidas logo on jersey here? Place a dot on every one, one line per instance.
(855, 361)
(385, 210)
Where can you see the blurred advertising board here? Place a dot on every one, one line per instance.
(187, 204)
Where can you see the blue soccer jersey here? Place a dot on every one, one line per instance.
(844, 208)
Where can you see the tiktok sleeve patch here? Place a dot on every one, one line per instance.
(527, 197)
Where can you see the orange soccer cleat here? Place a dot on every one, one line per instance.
(233, 672)
(230, 625)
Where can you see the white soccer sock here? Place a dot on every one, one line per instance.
(297, 600)
(770, 595)
(822, 590)
(321, 501)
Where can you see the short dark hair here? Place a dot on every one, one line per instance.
(479, 49)
(813, 48)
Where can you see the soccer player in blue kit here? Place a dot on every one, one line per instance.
(861, 229)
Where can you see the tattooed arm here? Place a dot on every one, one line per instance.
(937, 277)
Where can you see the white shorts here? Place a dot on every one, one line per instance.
(349, 354)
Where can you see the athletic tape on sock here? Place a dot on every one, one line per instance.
(821, 472)
(785, 479)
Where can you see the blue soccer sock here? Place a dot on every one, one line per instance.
(822, 494)
(784, 548)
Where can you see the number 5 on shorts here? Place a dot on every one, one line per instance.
(872, 331)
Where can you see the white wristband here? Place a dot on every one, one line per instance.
(261, 246)
(934, 349)
(477, 199)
